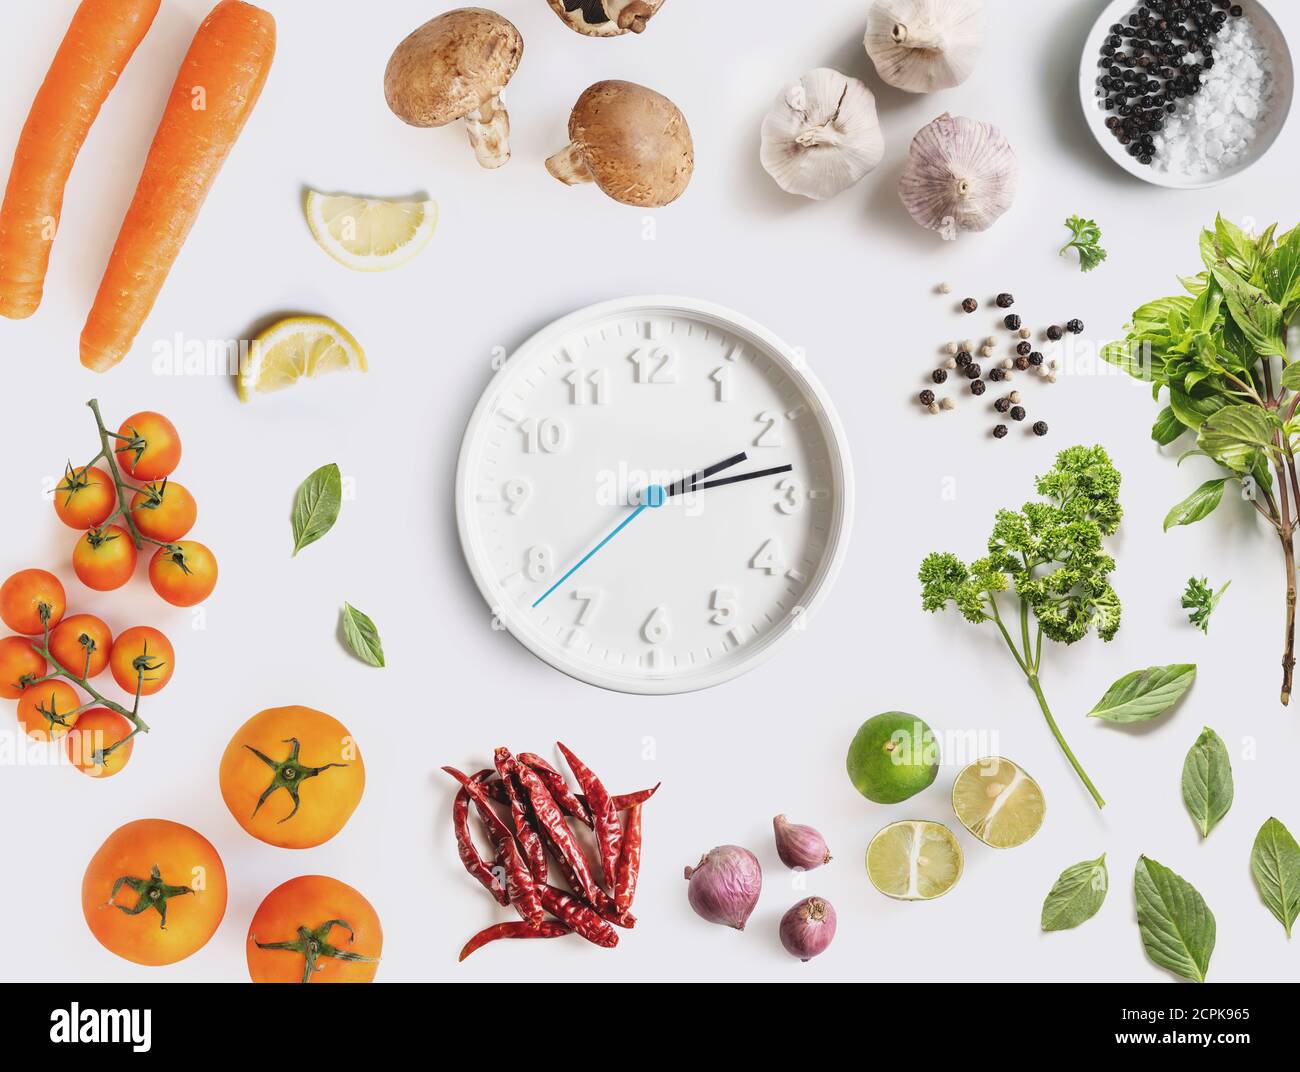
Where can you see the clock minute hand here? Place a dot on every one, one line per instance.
(721, 481)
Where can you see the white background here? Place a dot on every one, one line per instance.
(852, 282)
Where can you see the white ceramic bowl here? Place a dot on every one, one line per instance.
(1283, 91)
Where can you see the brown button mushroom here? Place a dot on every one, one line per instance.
(630, 141)
(606, 18)
(455, 67)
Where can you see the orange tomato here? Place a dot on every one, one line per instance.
(84, 497)
(45, 711)
(97, 729)
(292, 776)
(165, 511)
(18, 663)
(104, 559)
(75, 637)
(183, 573)
(155, 892)
(152, 447)
(142, 648)
(302, 926)
(29, 598)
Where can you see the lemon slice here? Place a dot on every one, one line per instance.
(297, 347)
(368, 234)
(998, 802)
(914, 860)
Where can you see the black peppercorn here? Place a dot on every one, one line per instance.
(1000, 432)
(927, 397)
(1005, 301)
(1023, 347)
(1002, 405)
(963, 359)
(1022, 363)
(1017, 413)
(1236, 11)
(939, 375)
(970, 305)
(973, 371)
(1035, 359)
(1012, 322)
(1040, 428)
(1055, 333)
(997, 374)
(1074, 327)
(977, 387)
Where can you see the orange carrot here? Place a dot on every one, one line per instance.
(215, 92)
(99, 43)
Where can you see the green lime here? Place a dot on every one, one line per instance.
(914, 860)
(998, 802)
(893, 756)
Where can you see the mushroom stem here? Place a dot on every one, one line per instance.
(927, 37)
(489, 132)
(569, 165)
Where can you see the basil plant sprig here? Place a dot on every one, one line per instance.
(1218, 356)
(1046, 563)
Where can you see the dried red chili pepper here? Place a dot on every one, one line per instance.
(623, 801)
(582, 918)
(557, 787)
(520, 886)
(551, 821)
(534, 851)
(548, 928)
(465, 848)
(629, 861)
(608, 832)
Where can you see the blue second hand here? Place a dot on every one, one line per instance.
(654, 496)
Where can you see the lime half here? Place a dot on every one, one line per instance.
(914, 860)
(998, 802)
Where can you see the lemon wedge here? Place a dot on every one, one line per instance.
(914, 860)
(369, 234)
(298, 347)
(998, 802)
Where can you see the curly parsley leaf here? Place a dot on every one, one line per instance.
(1201, 599)
(1087, 240)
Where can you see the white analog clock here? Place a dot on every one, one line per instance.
(652, 493)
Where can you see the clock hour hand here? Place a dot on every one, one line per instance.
(677, 488)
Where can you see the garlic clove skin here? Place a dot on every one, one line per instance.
(924, 45)
(961, 175)
(822, 135)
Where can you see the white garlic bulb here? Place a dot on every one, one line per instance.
(924, 45)
(960, 176)
(822, 135)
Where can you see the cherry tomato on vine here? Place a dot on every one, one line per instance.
(45, 711)
(18, 663)
(104, 559)
(164, 511)
(183, 573)
(98, 729)
(151, 448)
(23, 596)
(155, 892)
(141, 648)
(77, 635)
(84, 497)
(302, 925)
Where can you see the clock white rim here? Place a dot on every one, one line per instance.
(841, 462)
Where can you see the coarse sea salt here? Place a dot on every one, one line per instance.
(1211, 132)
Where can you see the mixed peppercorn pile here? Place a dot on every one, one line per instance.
(539, 804)
(1147, 66)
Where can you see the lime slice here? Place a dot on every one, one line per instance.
(914, 860)
(298, 347)
(998, 802)
(368, 234)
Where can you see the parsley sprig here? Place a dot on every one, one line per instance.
(1087, 240)
(1201, 599)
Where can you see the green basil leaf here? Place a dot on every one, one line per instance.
(1193, 412)
(1076, 895)
(1207, 781)
(362, 636)
(1143, 694)
(316, 505)
(1177, 925)
(1235, 435)
(1291, 376)
(1258, 315)
(1199, 504)
(1167, 427)
(1275, 861)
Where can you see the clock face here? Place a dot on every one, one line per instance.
(652, 493)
